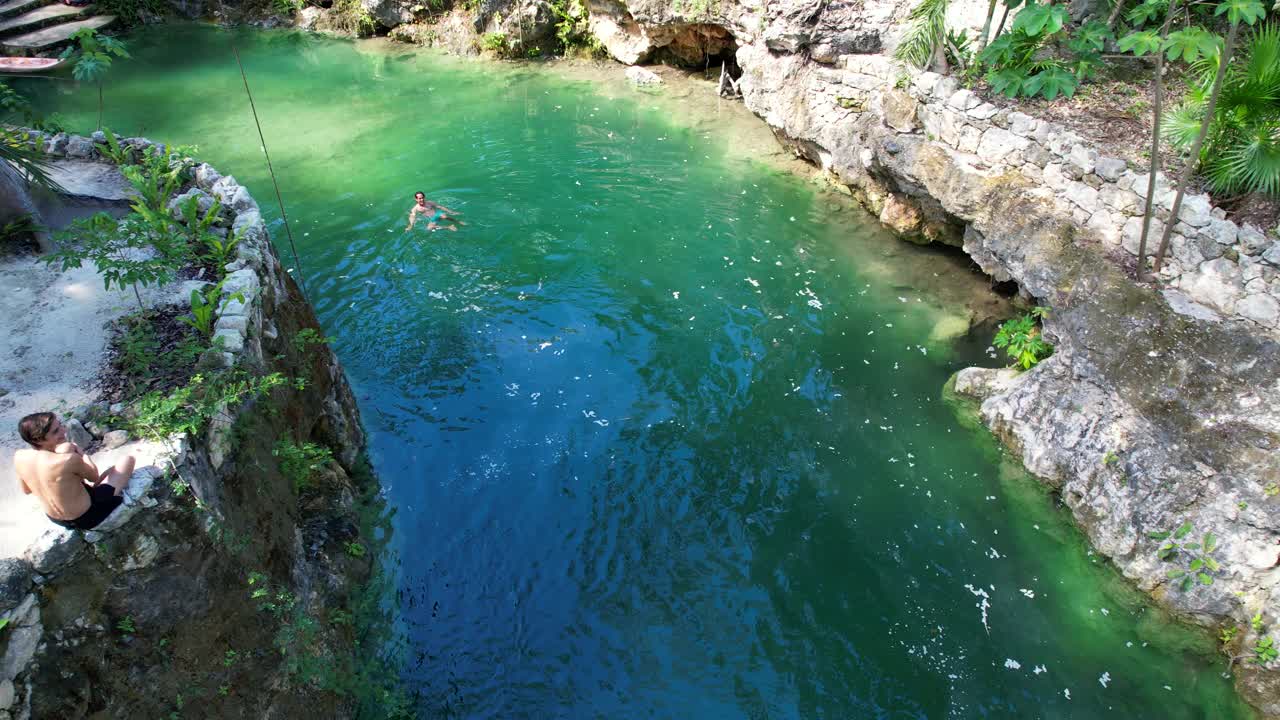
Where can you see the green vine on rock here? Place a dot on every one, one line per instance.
(1179, 547)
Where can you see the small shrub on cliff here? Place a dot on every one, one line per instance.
(189, 409)
(351, 17)
(1179, 547)
(1264, 651)
(301, 463)
(496, 43)
(1021, 339)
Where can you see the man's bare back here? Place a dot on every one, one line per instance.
(66, 481)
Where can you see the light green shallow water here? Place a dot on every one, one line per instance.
(663, 423)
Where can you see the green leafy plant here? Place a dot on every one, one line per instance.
(93, 54)
(1264, 651)
(1021, 339)
(230, 658)
(126, 625)
(286, 7)
(1228, 634)
(352, 18)
(307, 337)
(1110, 458)
(204, 305)
(496, 43)
(119, 250)
(1020, 62)
(1256, 622)
(114, 151)
(1271, 490)
(355, 549)
(1177, 546)
(4, 623)
(189, 408)
(1241, 152)
(300, 464)
(122, 250)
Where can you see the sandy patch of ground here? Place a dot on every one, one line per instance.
(53, 341)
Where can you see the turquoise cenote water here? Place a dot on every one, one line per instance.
(662, 426)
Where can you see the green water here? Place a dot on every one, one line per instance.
(662, 424)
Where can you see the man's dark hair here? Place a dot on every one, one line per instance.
(35, 427)
(419, 193)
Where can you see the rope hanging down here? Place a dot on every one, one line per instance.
(302, 283)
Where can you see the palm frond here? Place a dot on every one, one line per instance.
(928, 28)
(1181, 125)
(16, 151)
(1250, 163)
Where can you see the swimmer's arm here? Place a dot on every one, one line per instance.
(22, 484)
(413, 215)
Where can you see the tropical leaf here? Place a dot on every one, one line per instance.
(1140, 43)
(1007, 82)
(1036, 19)
(1092, 36)
(1183, 530)
(1146, 12)
(1051, 83)
(1250, 11)
(1191, 44)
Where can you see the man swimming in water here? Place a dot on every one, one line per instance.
(434, 212)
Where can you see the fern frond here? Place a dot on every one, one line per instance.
(1251, 162)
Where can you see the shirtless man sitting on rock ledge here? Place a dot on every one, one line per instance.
(72, 491)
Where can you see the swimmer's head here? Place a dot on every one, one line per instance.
(419, 196)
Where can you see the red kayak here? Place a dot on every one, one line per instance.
(28, 65)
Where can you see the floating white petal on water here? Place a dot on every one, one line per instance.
(1066, 693)
(753, 282)
(1029, 593)
(675, 294)
(1105, 679)
(1040, 669)
(1012, 664)
(1106, 611)
(543, 346)
(793, 218)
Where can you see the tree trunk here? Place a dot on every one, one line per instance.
(1115, 15)
(986, 28)
(939, 64)
(1003, 17)
(99, 103)
(1185, 176)
(1156, 105)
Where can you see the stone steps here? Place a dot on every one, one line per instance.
(42, 17)
(13, 8)
(49, 38)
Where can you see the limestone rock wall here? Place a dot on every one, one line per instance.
(155, 608)
(1216, 269)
